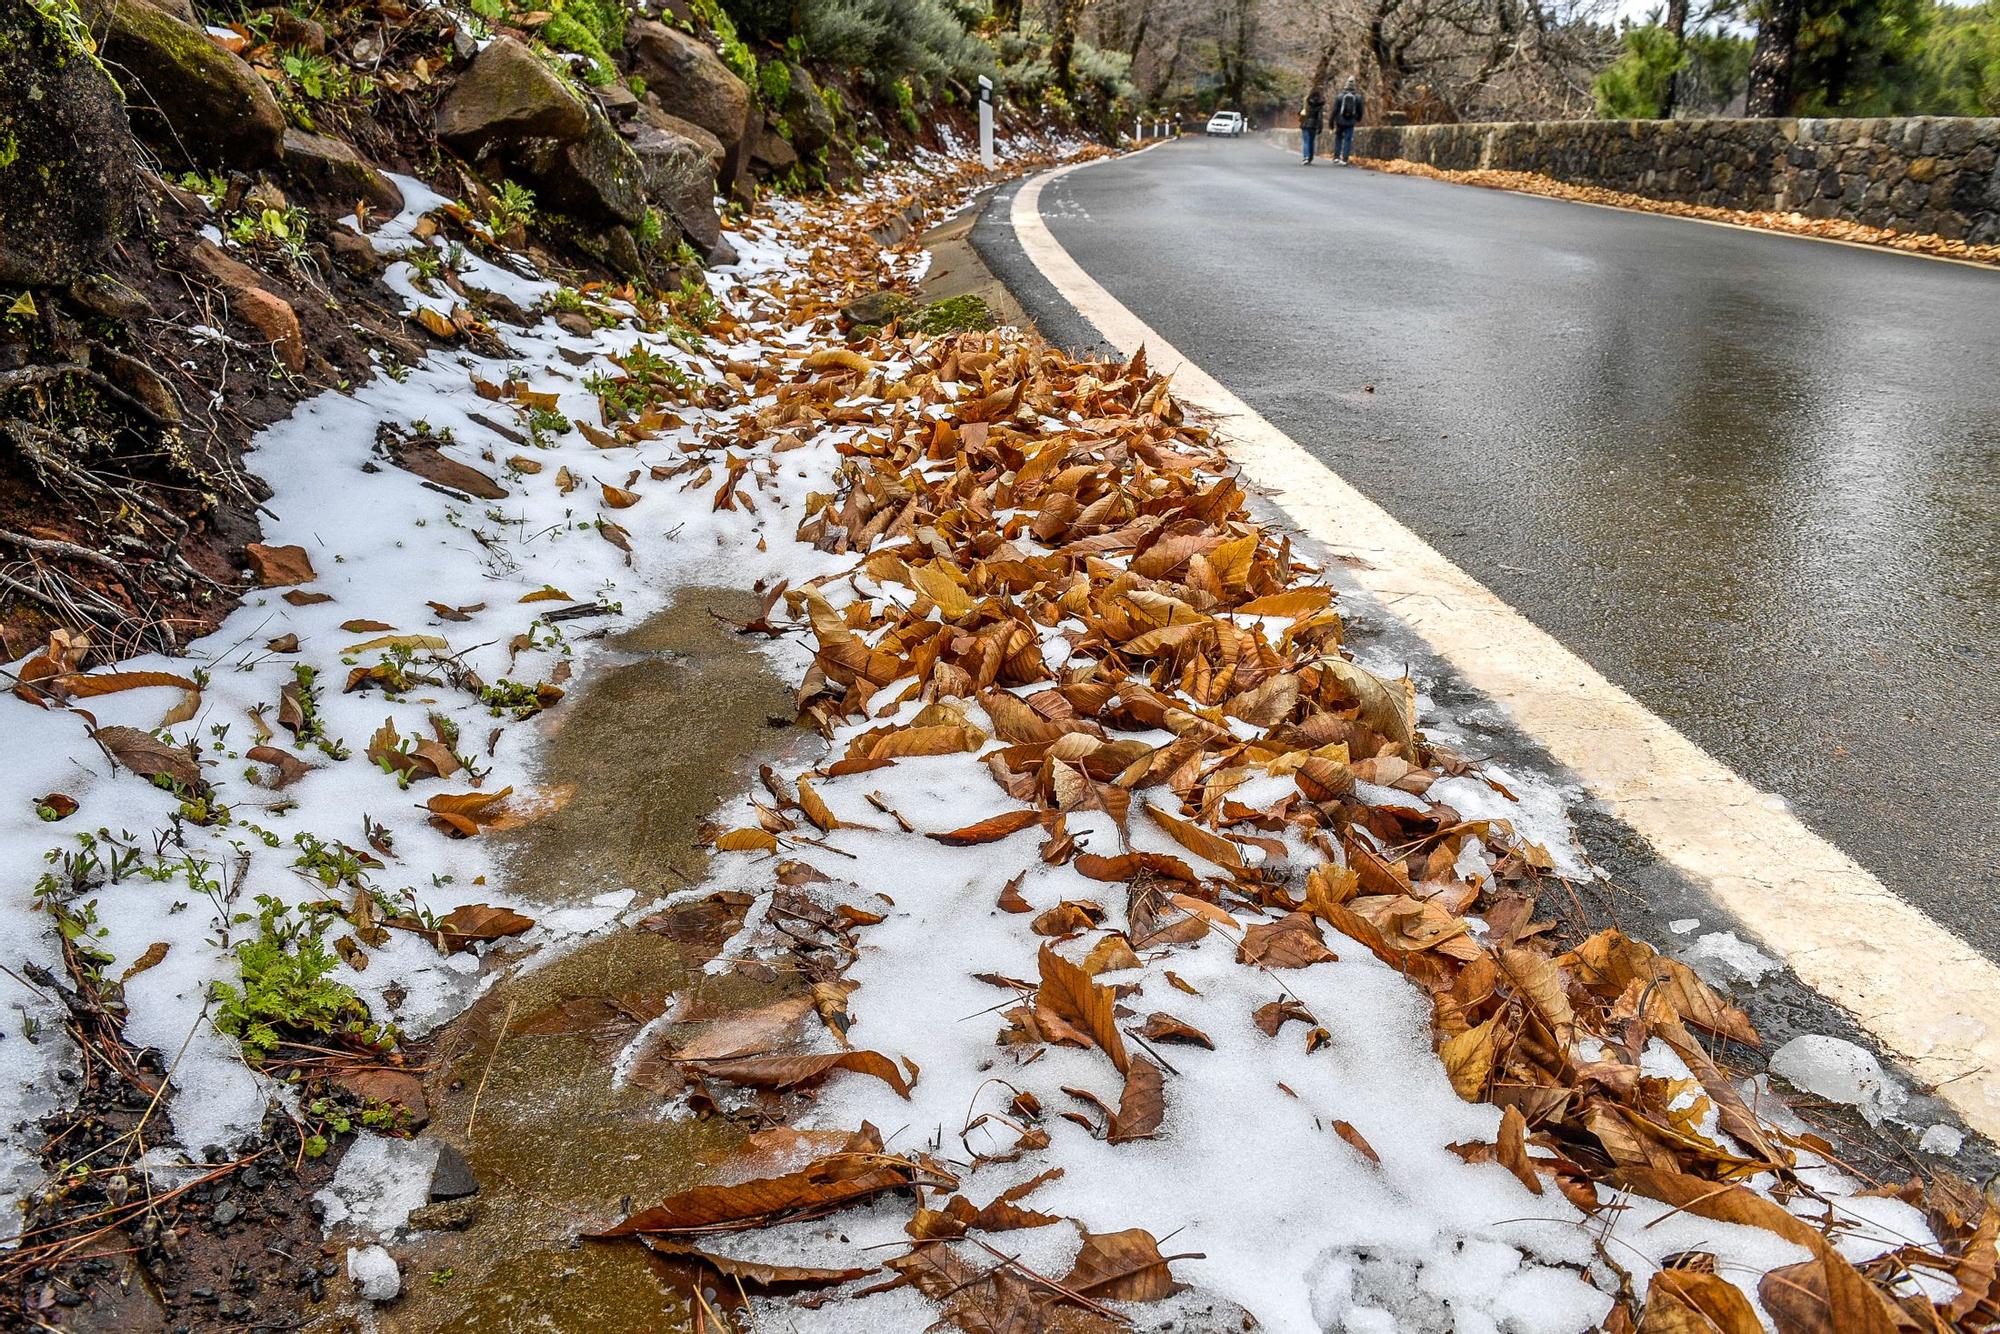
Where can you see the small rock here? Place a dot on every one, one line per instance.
(570, 321)
(332, 170)
(594, 178)
(452, 1178)
(773, 153)
(294, 30)
(272, 316)
(139, 380)
(106, 296)
(226, 1213)
(877, 308)
(374, 1273)
(448, 1216)
(355, 252)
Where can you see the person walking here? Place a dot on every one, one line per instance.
(1347, 111)
(1311, 116)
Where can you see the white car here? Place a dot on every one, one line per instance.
(1230, 123)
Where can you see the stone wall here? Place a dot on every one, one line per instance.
(1936, 175)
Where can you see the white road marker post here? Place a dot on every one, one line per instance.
(986, 122)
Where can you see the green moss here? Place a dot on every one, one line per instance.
(955, 314)
(565, 33)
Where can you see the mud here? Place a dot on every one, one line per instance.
(661, 734)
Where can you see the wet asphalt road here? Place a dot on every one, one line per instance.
(1753, 479)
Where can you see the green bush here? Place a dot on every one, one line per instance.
(895, 39)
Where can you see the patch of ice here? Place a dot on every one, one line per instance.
(1680, 926)
(1721, 957)
(1840, 1071)
(378, 1183)
(1942, 1139)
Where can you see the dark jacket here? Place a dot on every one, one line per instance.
(1347, 107)
(1314, 114)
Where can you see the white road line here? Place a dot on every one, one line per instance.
(1927, 996)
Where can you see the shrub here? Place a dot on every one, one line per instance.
(895, 39)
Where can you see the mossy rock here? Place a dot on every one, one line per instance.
(68, 167)
(190, 97)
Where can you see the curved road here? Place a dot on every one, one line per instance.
(1753, 479)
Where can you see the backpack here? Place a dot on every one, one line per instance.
(1347, 106)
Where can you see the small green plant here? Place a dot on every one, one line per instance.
(513, 205)
(304, 694)
(774, 80)
(209, 186)
(906, 105)
(288, 989)
(490, 10)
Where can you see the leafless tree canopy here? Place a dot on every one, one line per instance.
(1421, 60)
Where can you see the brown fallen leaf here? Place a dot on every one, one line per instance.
(464, 813)
(151, 956)
(362, 626)
(783, 1072)
(989, 830)
(1687, 1301)
(149, 757)
(617, 497)
(289, 766)
(464, 927)
(1010, 897)
(1357, 1142)
(752, 1275)
(1142, 1106)
(1290, 942)
(107, 683)
(750, 1033)
(1163, 1027)
(747, 840)
(287, 643)
(834, 1181)
(1272, 1017)
(1070, 993)
(59, 804)
(1512, 1150)
(1121, 1267)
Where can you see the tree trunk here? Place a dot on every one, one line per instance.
(1062, 50)
(1770, 91)
(1677, 22)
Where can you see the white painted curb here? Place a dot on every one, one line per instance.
(1927, 996)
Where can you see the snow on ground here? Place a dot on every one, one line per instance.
(1295, 1221)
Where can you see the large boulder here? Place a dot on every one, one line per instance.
(680, 180)
(334, 172)
(186, 93)
(594, 180)
(689, 79)
(70, 182)
(807, 113)
(508, 93)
